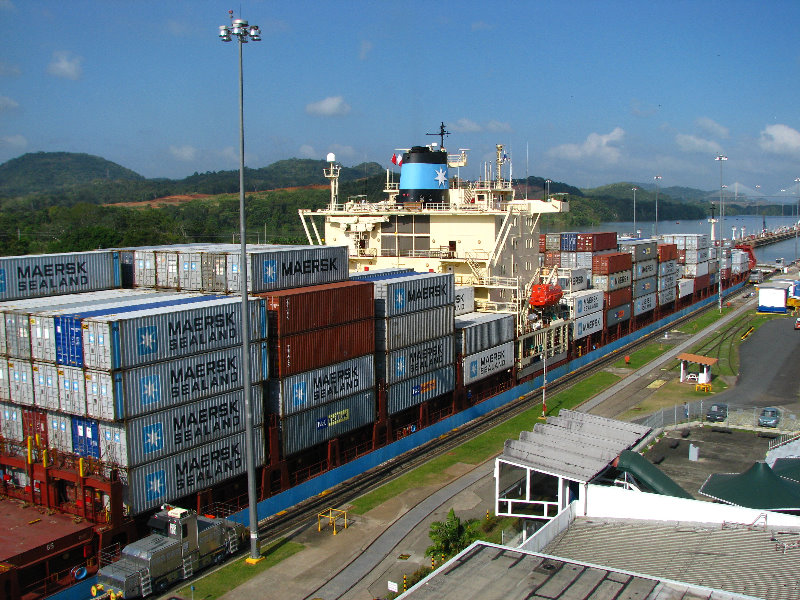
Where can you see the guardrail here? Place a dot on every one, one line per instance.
(737, 418)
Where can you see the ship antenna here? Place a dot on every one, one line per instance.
(442, 132)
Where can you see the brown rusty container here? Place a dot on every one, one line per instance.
(292, 354)
(618, 297)
(303, 309)
(552, 258)
(34, 424)
(597, 241)
(667, 252)
(605, 264)
(542, 243)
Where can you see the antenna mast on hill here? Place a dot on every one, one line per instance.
(442, 132)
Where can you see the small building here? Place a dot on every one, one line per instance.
(704, 376)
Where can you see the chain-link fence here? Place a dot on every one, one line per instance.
(717, 413)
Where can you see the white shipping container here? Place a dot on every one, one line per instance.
(5, 390)
(478, 331)
(11, 422)
(488, 362)
(573, 280)
(45, 386)
(696, 256)
(583, 303)
(569, 260)
(71, 390)
(695, 270)
(59, 432)
(644, 304)
(685, 287)
(464, 299)
(20, 380)
(587, 325)
(613, 282)
(583, 260)
(690, 241)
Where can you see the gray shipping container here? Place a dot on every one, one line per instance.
(414, 360)
(133, 392)
(613, 282)
(167, 432)
(5, 391)
(71, 390)
(406, 330)
(639, 249)
(417, 390)
(172, 477)
(322, 423)
(53, 274)
(130, 339)
(45, 386)
(667, 296)
(478, 331)
(666, 282)
(20, 381)
(488, 362)
(405, 295)
(59, 432)
(296, 266)
(645, 268)
(668, 267)
(313, 388)
(465, 299)
(11, 421)
(618, 314)
(644, 304)
(642, 287)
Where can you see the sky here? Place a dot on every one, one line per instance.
(584, 92)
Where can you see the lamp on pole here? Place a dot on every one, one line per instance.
(657, 179)
(797, 217)
(721, 159)
(243, 33)
(547, 182)
(633, 189)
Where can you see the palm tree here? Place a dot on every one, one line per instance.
(451, 535)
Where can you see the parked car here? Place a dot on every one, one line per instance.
(770, 417)
(717, 412)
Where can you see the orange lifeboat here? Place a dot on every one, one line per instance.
(544, 294)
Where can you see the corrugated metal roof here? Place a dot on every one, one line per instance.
(574, 445)
(698, 359)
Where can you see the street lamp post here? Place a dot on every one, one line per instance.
(721, 159)
(633, 189)
(547, 183)
(797, 218)
(657, 179)
(245, 32)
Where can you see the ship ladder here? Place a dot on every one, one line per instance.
(474, 265)
(188, 569)
(145, 582)
(233, 541)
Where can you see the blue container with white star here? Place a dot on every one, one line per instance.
(150, 437)
(404, 295)
(423, 176)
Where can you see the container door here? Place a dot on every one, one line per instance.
(72, 391)
(99, 395)
(21, 381)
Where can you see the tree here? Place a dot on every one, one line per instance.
(451, 535)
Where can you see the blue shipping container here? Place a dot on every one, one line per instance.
(85, 437)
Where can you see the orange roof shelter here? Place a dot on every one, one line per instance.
(704, 376)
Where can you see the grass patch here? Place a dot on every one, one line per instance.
(644, 355)
(236, 572)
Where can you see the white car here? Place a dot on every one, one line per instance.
(691, 377)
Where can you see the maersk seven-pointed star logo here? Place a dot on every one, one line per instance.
(473, 368)
(148, 339)
(150, 389)
(156, 484)
(400, 367)
(441, 177)
(153, 438)
(270, 271)
(299, 394)
(399, 299)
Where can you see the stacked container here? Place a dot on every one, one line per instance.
(611, 274)
(485, 342)
(693, 255)
(414, 324)
(644, 273)
(586, 310)
(322, 344)
(667, 273)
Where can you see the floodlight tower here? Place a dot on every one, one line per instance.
(721, 159)
(332, 173)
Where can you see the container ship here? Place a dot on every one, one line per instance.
(121, 387)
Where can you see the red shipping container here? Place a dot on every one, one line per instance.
(34, 423)
(700, 283)
(597, 241)
(618, 297)
(552, 258)
(681, 256)
(313, 307)
(606, 264)
(542, 242)
(667, 252)
(292, 354)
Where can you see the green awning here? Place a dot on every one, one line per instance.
(650, 475)
(758, 487)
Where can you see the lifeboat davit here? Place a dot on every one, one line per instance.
(544, 294)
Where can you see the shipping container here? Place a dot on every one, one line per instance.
(167, 479)
(113, 396)
(573, 280)
(85, 437)
(372, 274)
(406, 330)
(569, 260)
(45, 385)
(167, 432)
(295, 266)
(53, 274)
(612, 282)
(59, 432)
(292, 354)
(488, 362)
(669, 267)
(666, 296)
(685, 287)
(666, 282)
(303, 430)
(552, 258)
(772, 297)
(464, 299)
(5, 390)
(618, 314)
(618, 297)
(414, 360)
(415, 391)
(583, 303)
(71, 390)
(20, 381)
(597, 241)
(569, 241)
(394, 297)
(313, 388)
(639, 249)
(667, 252)
(690, 241)
(587, 325)
(130, 339)
(644, 269)
(644, 304)
(583, 260)
(695, 270)
(478, 331)
(552, 241)
(542, 243)
(34, 426)
(693, 256)
(11, 421)
(615, 262)
(303, 309)
(642, 287)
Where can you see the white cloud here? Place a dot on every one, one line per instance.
(466, 126)
(7, 103)
(14, 142)
(332, 106)
(596, 146)
(307, 151)
(184, 153)
(711, 127)
(366, 48)
(498, 126)
(65, 65)
(692, 143)
(780, 139)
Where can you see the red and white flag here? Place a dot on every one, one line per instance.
(394, 159)
(398, 160)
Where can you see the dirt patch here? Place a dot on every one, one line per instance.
(164, 201)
